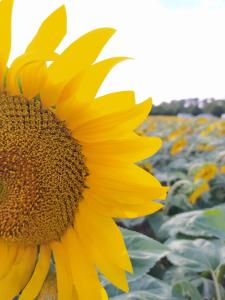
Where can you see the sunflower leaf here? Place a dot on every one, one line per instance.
(198, 255)
(143, 251)
(185, 290)
(145, 287)
(205, 223)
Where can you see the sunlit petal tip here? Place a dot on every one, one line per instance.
(149, 100)
(47, 38)
(156, 141)
(147, 106)
(104, 295)
(165, 190)
(131, 58)
(110, 30)
(103, 32)
(130, 268)
(123, 58)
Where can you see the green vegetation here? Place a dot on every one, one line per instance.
(190, 106)
(179, 252)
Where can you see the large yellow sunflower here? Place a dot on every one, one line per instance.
(67, 165)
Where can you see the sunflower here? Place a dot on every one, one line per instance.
(178, 146)
(206, 172)
(201, 188)
(67, 165)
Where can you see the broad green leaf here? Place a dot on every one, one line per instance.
(185, 290)
(143, 251)
(145, 288)
(141, 295)
(156, 220)
(207, 288)
(203, 223)
(178, 224)
(175, 274)
(198, 255)
(211, 222)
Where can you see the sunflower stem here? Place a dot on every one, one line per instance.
(216, 284)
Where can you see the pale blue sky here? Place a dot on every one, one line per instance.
(192, 4)
(178, 46)
(177, 4)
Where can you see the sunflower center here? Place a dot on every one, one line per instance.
(42, 173)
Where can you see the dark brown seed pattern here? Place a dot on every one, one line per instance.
(42, 173)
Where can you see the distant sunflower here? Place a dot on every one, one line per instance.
(206, 172)
(178, 146)
(67, 165)
(201, 188)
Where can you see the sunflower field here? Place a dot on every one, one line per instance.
(179, 252)
(69, 177)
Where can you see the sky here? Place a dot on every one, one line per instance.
(178, 46)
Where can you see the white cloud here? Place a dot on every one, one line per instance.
(178, 53)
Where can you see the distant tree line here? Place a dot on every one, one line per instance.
(192, 106)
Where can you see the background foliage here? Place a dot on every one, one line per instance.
(179, 252)
(192, 106)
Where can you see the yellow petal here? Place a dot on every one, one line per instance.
(40, 49)
(32, 78)
(201, 189)
(18, 65)
(84, 273)
(112, 272)
(63, 273)
(5, 36)
(128, 174)
(8, 254)
(113, 125)
(20, 273)
(33, 287)
(76, 93)
(76, 58)
(104, 295)
(50, 33)
(79, 55)
(93, 78)
(121, 210)
(123, 183)
(101, 106)
(101, 227)
(110, 103)
(127, 149)
(118, 190)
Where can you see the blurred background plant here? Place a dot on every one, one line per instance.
(179, 252)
